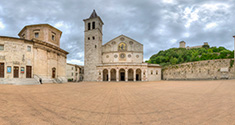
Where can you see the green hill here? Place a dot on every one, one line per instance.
(181, 55)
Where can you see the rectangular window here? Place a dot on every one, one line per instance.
(72, 74)
(36, 35)
(53, 37)
(29, 48)
(1, 47)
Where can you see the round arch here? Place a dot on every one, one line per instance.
(105, 75)
(130, 75)
(121, 75)
(138, 75)
(113, 74)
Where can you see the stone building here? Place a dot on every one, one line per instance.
(74, 73)
(35, 56)
(182, 44)
(120, 59)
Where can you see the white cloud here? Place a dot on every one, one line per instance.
(75, 61)
(190, 15)
(211, 25)
(2, 26)
(59, 24)
(168, 1)
(186, 34)
(215, 6)
(173, 41)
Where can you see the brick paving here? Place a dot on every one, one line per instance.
(121, 103)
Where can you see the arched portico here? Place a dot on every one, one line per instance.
(138, 75)
(113, 75)
(105, 75)
(121, 75)
(130, 75)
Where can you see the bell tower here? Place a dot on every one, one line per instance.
(93, 46)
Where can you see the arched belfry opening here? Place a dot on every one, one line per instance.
(89, 26)
(93, 25)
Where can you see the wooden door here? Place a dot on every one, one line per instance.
(28, 71)
(53, 72)
(16, 72)
(1, 70)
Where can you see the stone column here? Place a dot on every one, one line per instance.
(146, 75)
(109, 78)
(126, 75)
(134, 77)
(101, 75)
(142, 75)
(117, 75)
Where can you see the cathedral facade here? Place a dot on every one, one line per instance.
(120, 59)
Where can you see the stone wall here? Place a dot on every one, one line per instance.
(15, 54)
(210, 69)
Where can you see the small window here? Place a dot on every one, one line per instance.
(93, 25)
(95, 46)
(93, 38)
(72, 74)
(72, 68)
(53, 37)
(29, 48)
(89, 26)
(1, 47)
(36, 35)
(88, 38)
(156, 72)
(151, 72)
(76, 74)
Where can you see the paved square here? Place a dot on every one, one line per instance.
(86, 103)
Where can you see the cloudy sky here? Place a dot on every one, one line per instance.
(158, 24)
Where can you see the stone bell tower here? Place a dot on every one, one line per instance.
(93, 46)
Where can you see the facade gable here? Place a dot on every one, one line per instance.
(122, 43)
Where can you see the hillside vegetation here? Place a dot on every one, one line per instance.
(181, 55)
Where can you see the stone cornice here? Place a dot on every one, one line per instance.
(49, 47)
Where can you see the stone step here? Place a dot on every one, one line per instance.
(20, 81)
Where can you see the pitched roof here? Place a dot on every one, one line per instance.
(93, 15)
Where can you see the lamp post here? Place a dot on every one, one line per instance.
(234, 50)
(234, 47)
